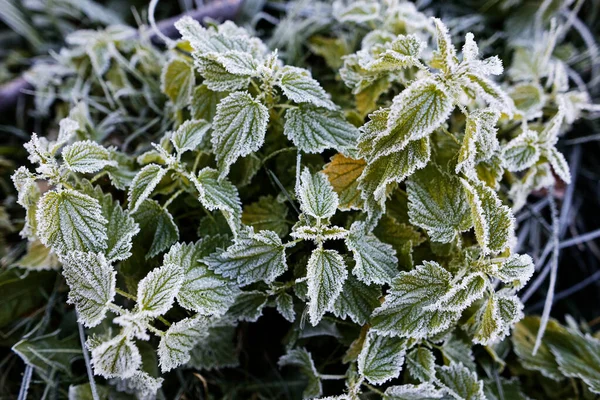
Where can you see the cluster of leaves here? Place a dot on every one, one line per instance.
(400, 247)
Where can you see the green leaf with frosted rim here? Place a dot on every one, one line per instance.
(303, 360)
(143, 184)
(248, 306)
(420, 363)
(494, 319)
(202, 290)
(516, 269)
(381, 358)
(326, 274)
(92, 283)
(460, 382)
(239, 128)
(356, 301)
(285, 306)
(376, 261)
(121, 229)
(559, 164)
(404, 52)
(445, 54)
(204, 103)
(189, 135)
(116, 358)
(86, 157)
(217, 78)
(479, 142)
(251, 258)
(177, 81)
(179, 340)
(266, 214)
(409, 309)
(438, 204)
(415, 113)
(157, 291)
(151, 217)
(313, 130)
(299, 86)
(68, 220)
(521, 152)
(316, 195)
(494, 222)
(219, 194)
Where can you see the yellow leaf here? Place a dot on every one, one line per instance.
(343, 173)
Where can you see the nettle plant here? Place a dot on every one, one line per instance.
(403, 235)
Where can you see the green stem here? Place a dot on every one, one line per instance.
(373, 389)
(277, 152)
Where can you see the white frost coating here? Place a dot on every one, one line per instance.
(381, 358)
(559, 164)
(134, 324)
(251, 258)
(521, 152)
(462, 295)
(313, 130)
(68, 220)
(177, 342)
(87, 157)
(494, 222)
(318, 234)
(356, 11)
(438, 204)
(300, 87)
(479, 142)
(189, 135)
(236, 62)
(376, 262)
(92, 281)
(460, 382)
(406, 311)
(202, 290)
(516, 269)
(143, 184)
(415, 113)
(218, 193)
(326, 273)
(116, 358)
(316, 195)
(239, 128)
(414, 392)
(157, 291)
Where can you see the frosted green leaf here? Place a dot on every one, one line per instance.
(495, 318)
(464, 293)
(121, 229)
(266, 214)
(438, 204)
(404, 52)
(177, 342)
(38, 257)
(205, 40)
(378, 175)
(217, 78)
(218, 194)
(204, 103)
(343, 173)
(326, 273)
(521, 152)
(516, 270)
(216, 351)
(479, 142)
(424, 391)
(415, 113)
(28, 195)
(489, 91)
(68, 220)
(316, 195)
(523, 340)
(445, 54)
(376, 261)
(177, 81)
(239, 128)
(189, 135)
(356, 301)
(317, 233)
(142, 384)
(420, 363)
(49, 354)
(559, 164)
(494, 222)
(461, 382)
(285, 306)
(313, 130)
(409, 307)
(86, 157)
(458, 350)
(303, 360)
(134, 325)
(298, 86)
(356, 11)
(116, 358)
(248, 306)
(202, 290)
(92, 283)
(529, 99)
(381, 358)
(143, 184)
(151, 217)
(67, 129)
(236, 62)
(157, 291)
(251, 258)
